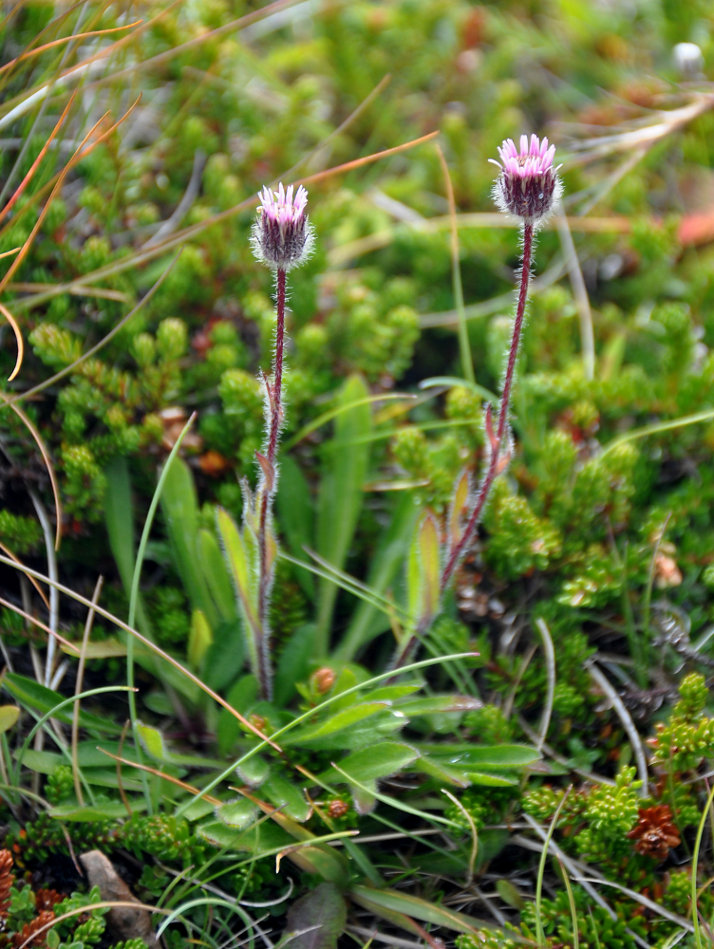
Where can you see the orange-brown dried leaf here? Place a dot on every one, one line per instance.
(7, 878)
(654, 833)
(34, 933)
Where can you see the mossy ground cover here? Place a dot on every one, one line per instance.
(519, 756)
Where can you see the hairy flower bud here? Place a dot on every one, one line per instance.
(528, 185)
(282, 236)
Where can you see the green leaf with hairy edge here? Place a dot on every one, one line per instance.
(108, 810)
(259, 837)
(296, 517)
(318, 919)
(105, 649)
(341, 497)
(31, 694)
(294, 663)
(440, 771)
(484, 756)
(437, 704)
(386, 564)
(369, 764)
(9, 715)
(240, 565)
(237, 814)
(179, 505)
(215, 571)
(387, 901)
(200, 638)
(289, 797)
(390, 693)
(335, 723)
(119, 521)
(362, 734)
(490, 779)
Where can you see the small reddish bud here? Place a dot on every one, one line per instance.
(337, 808)
(322, 680)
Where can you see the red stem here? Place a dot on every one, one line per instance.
(457, 550)
(265, 581)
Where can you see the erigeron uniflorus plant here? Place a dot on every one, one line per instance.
(529, 188)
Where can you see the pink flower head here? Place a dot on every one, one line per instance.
(282, 236)
(528, 185)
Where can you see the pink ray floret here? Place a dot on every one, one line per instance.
(533, 159)
(281, 207)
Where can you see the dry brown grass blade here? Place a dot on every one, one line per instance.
(23, 57)
(47, 460)
(367, 159)
(87, 145)
(36, 163)
(18, 340)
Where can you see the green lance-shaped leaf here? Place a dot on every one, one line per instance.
(179, 504)
(423, 574)
(341, 496)
(200, 638)
(429, 559)
(403, 908)
(217, 575)
(369, 764)
(245, 579)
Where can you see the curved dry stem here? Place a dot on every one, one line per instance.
(46, 458)
(18, 340)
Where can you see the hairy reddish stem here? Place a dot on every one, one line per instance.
(496, 448)
(269, 486)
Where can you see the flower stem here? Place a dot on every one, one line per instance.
(281, 280)
(269, 483)
(497, 439)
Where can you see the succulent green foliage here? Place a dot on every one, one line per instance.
(681, 743)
